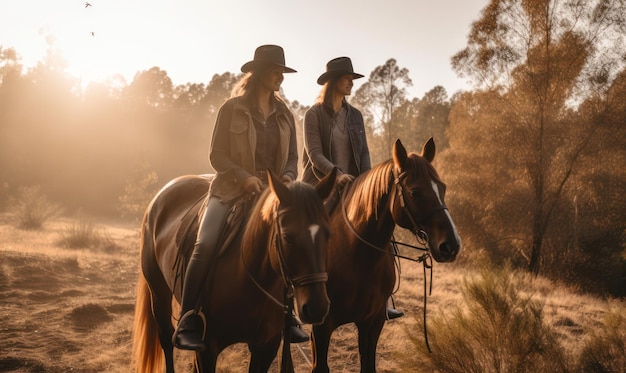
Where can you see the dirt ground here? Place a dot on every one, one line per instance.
(71, 310)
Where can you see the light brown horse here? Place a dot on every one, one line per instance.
(282, 247)
(404, 191)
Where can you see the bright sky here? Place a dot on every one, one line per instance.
(194, 39)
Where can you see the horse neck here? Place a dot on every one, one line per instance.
(376, 225)
(256, 247)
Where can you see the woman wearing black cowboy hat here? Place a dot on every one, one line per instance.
(334, 133)
(255, 110)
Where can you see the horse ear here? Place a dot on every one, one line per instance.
(326, 184)
(399, 154)
(277, 186)
(428, 150)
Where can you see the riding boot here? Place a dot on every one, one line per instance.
(189, 334)
(297, 334)
(191, 329)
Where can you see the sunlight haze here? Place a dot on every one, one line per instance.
(193, 40)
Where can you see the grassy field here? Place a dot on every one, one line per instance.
(71, 309)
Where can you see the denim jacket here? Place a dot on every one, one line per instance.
(316, 159)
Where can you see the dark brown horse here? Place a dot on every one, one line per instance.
(404, 191)
(283, 246)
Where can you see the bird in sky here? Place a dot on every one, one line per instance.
(87, 5)
(93, 33)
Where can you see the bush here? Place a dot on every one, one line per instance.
(81, 234)
(497, 328)
(30, 208)
(605, 351)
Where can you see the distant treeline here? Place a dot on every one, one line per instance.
(533, 157)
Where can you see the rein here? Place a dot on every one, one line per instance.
(420, 235)
(290, 283)
(288, 279)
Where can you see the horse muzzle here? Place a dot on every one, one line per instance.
(312, 302)
(446, 251)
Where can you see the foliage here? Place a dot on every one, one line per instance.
(550, 71)
(380, 96)
(605, 351)
(140, 189)
(31, 208)
(83, 144)
(498, 327)
(84, 234)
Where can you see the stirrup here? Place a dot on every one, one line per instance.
(187, 315)
(393, 313)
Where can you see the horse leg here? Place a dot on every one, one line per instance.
(162, 309)
(319, 346)
(261, 356)
(161, 296)
(369, 332)
(206, 361)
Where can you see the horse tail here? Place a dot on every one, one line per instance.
(147, 352)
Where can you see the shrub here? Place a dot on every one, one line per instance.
(81, 234)
(84, 234)
(496, 328)
(605, 351)
(30, 208)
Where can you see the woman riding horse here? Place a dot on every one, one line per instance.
(254, 130)
(405, 191)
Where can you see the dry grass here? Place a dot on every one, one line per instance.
(71, 309)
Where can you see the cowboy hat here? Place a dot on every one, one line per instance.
(266, 55)
(338, 66)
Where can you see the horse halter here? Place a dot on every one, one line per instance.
(289, 280)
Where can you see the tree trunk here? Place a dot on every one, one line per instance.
(537, 243)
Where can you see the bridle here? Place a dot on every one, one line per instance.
(290, 281)
(406, 208)
(416, 228)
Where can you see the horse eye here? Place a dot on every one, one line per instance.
(415, 193)
(287, 237)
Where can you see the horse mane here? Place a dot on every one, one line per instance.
(303, 199)
(368, 190)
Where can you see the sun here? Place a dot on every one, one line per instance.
(90, 42)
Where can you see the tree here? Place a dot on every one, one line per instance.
(540, 59)
(381, 95)
(152, 88)
(432, 117)
(9, 65)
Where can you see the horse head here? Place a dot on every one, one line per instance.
(418, 201)
(302, 233)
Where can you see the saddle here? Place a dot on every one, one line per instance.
(235, 220)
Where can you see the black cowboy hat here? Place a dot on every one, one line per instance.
(266, 55)
(338, 66)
